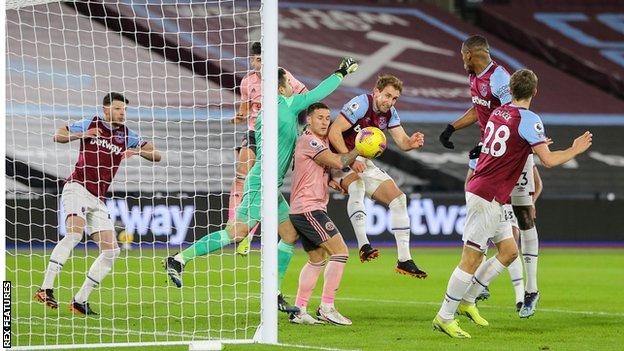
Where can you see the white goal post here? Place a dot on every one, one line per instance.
(179, 62)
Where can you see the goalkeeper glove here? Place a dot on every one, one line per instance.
(446, 136)
(475, 152)
(347, 65)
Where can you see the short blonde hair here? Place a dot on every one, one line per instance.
(388, 79)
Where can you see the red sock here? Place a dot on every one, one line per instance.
(333, 275)
(307, 281)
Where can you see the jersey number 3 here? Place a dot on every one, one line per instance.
(498, 146)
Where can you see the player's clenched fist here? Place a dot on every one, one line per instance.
(347, 65)
(583, 142)
(417, 140)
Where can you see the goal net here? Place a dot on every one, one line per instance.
(179, 63)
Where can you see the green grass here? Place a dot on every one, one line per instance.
(580, 306)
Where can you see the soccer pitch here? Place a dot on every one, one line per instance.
(579, 308)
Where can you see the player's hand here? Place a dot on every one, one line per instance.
(358, 166)
(583, 142)
(347, 65)
(417, 140)
(548, 141)
(91, 133)
(129, 153)
(533, 212)
(336, 186)
(239, 117)
(445, 137)
(475, 152)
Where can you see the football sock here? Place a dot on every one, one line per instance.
(530, 246)
(307, 281)
(400, 224)
(59, 255)
(515, 273)
(332, 277)
(99, 269)
(457, 286)
(284, 254)
(482, 278)
(356, 211)
(209, 243)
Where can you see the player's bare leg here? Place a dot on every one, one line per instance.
(389, 194)
(75, 227)
(530, 248)
(246, 160)
(354, 185)
(109, 251)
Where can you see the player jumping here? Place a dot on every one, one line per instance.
(364, 178)
(104, 143)
(515, 132)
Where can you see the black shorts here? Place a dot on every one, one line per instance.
(314, 228)
(249, 141)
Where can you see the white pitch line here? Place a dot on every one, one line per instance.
(315, 347)
(553, 310)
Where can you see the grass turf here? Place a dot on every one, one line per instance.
(578, 310)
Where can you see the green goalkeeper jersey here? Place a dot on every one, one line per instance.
(287, 121)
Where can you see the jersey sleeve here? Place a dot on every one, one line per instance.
(531, 128)
(134, 140)
(394, 121)
(499, 84)
(298, 87)
(244, 89)
(80, 126)
(355, 109)
(300, 102)
(311, 146)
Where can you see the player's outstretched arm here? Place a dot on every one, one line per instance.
(405, 142)
(338, 161)
(327, 86)
(466, 120)
(340, 125)
(555, 158)
(147, 151)
(63, 135)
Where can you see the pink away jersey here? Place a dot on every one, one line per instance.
(251, 91)
(310, 189)
(509, 135)
(99, 157)
(489, 90)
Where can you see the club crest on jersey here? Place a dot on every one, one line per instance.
(330, 226)
(483, 89)
(119, 136)
(382, 123)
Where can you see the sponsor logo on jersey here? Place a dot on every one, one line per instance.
(107, 145)
(478, 101)
(483, 89)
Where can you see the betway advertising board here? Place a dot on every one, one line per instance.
(179, 220)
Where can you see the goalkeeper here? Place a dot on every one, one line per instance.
(248, 213)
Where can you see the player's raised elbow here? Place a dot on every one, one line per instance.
(547, 162)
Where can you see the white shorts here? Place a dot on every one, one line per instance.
(76, 200)
(372, 175)
(484, 221)
(509, 215)
(521, 193)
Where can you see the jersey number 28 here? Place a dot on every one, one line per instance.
(498, 146)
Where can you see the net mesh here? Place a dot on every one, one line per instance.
(178, 62)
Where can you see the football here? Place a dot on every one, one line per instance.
(370, 142)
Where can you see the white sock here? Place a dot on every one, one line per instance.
(400, 223)
(99, 269)
(482, 278)
(356, 211)
(457, 286)
(530, 248)
(515, 273)
(59, 256)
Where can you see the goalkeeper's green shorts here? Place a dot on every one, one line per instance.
(249, 210)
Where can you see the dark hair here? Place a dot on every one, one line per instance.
(255, 49)
(281, 77)
(476, 42)
(316, 106)
(523, 84)
(388, 79)
(112, 96)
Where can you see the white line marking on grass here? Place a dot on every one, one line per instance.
(114, 330)
(315, 347)
(554, 310)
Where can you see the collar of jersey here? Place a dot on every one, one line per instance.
(485, 69)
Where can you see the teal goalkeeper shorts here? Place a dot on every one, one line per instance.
(249, 210)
